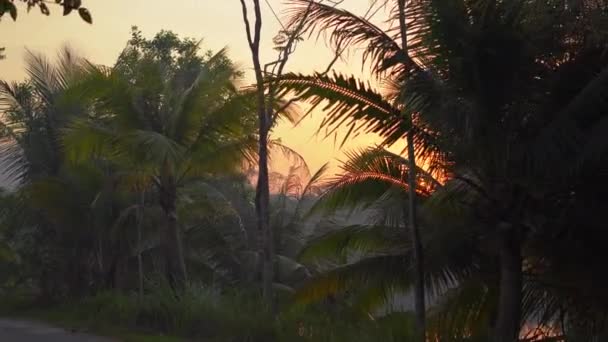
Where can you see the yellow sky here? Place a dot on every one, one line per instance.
(218, 22)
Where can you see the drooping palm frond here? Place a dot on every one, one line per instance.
(463, 312)
(346, 30)
(113, 97)
(228, 157)
(342, 244)
(375, 262)
(348, 102)
(34, 113)
(345, 96)
(369, 176)
(384, 271)
(298, 163)
(204, 98)
(568, 137)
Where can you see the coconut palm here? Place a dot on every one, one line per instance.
(33, 113)
(355, 105)
(366, 258)
(166, 130)
(172, 116)
(363, 259)
(493, 85)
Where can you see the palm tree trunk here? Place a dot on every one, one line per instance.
(171, 237)
(418, 257)
(510, 286)
(140, 266)
(418, 260)
(262, 207)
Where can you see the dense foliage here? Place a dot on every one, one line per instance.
(133, 200)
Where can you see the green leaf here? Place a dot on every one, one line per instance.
(85, 15)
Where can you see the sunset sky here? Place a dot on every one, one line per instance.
(217, 22)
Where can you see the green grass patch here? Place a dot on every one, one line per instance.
(202, 314)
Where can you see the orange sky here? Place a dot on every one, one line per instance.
(217, 22)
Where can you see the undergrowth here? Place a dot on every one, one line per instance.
(204, 314)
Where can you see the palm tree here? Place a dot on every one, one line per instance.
(490, 96)
(33, 113)
(366, 258)
(388, 54)
(362, 258)
(170, 122)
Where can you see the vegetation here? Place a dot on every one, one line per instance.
(8, 6)
(135, 204)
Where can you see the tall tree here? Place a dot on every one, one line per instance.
(183, 109)
(34, 113)
(267, 115)
(262, 197)
(481, 129)
(389, 56)
(418, 260)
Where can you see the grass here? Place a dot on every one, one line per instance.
(67, 317)
(199, 313)
(203, 314)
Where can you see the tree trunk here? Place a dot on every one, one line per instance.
(510, 286)
(262, 207)
(418, 255)
(140, 267)
(175, 266)
(418, 259)
(262, 198)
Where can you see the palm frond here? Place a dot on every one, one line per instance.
(43, 76)
(368, 176)
(205, 97)
(295, 159)
(84, 139)
(220, 156)
(346, 101)
(385, 271)
(346, 29)
(463, 311)
(149, 147)
(565, 138)
(342, 243)
(113, 97)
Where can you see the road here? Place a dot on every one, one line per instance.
(24, 331)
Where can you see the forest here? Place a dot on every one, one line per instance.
(143, 200)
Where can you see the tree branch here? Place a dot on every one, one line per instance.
(247, 24)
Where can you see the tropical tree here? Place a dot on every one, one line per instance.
(170, 115)
(496, 138)
(388, 54)
(34, 112)
(366, 258)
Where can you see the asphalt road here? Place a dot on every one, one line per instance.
(23, 331)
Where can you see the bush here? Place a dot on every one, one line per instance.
(204, 313)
